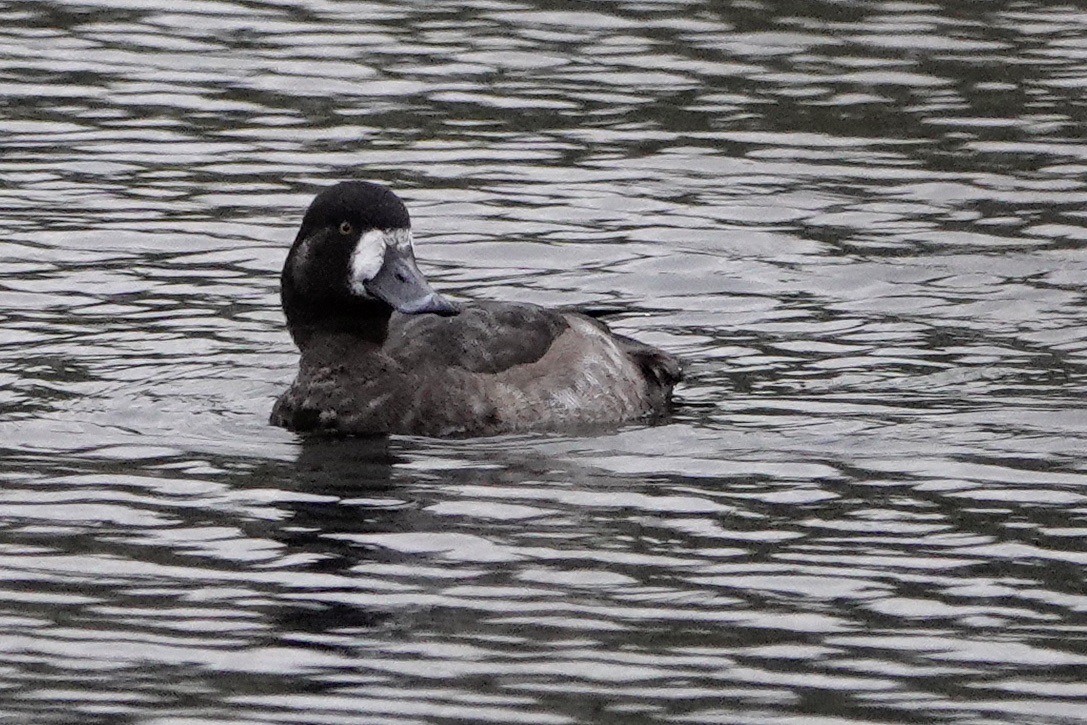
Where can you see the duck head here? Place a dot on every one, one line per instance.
(352, 264)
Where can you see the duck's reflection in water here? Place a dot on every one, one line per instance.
(379, 534)
(348, 488)
(341, 487)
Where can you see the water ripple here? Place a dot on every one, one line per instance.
(861, 226)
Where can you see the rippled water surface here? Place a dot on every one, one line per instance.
(863, 225)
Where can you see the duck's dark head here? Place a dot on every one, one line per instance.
(352, 264)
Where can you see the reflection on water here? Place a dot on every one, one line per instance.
(861, 224)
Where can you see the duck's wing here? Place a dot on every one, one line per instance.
(486, 337)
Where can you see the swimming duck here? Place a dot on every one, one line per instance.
(383, 352)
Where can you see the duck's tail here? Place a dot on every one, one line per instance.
(661, 369)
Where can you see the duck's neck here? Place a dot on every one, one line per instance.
(365, 320)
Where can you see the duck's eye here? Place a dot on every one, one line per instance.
(346, 228)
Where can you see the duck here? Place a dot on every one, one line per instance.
(384, 353)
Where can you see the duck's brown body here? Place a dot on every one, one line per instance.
(441, 369)
(494, 368)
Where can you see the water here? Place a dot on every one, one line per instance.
(861, 224)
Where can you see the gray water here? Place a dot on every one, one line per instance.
(863, 225)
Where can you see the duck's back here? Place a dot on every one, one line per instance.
(485, 337)
(493, 368)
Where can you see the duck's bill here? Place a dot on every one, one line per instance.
(400, 283)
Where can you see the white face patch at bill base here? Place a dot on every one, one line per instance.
(369, 255)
